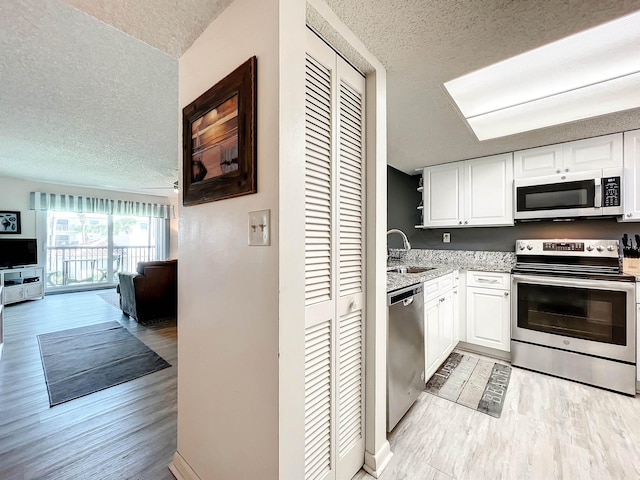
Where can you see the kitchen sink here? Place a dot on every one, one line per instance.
(410, 269)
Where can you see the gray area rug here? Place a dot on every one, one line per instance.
(84, 360)
(111, 297)
(473, 382)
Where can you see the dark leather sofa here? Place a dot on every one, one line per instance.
(150, 294)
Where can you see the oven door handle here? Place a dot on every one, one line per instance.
(612, 285)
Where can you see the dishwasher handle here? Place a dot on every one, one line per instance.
(405, 296)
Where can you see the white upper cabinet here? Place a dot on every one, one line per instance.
(593, 153)
(470, 193)
(537, 162)
(631, 187)
(579, 156)
(442, 194)
(489, 191)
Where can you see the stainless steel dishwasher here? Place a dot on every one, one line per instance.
(405, 351)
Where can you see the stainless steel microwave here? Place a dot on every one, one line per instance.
(581, 194)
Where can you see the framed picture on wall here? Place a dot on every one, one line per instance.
(219, 139)
(9, 222)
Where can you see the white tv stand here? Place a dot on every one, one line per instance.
(19, 284)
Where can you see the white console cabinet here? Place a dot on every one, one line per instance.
(22, 284)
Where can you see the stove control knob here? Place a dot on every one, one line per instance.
(590, 248)
(521, 246)
(529, 247)
(600, 248)
(611, 248)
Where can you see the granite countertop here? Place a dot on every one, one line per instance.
(401, 280)
(443, 262)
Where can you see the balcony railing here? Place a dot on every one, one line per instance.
(75, 266)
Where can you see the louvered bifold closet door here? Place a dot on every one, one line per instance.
(334, 266)
(350, 341)
(320, 285)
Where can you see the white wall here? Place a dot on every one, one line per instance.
(292, 238)
(228, 291)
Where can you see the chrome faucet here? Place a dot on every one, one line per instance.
(405, 240)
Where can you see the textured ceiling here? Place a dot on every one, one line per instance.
(84, 103)
(169, 25)
(426, 43)
(89, 87)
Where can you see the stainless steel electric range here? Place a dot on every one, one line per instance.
(573, 312)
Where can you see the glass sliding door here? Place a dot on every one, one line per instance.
(87, 251)
(135, 239)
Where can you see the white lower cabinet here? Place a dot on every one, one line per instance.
(439, 322)
(456, 307)
(1, 321)
(638, 335)
(432, 352)
(488, 310)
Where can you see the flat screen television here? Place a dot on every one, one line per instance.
(18, 252)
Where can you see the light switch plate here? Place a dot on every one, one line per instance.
(259, 228)
(446, 237)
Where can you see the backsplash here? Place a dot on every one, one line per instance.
(481, 260)
(504, 238)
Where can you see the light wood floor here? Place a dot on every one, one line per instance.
(124, 432)
(549, 429)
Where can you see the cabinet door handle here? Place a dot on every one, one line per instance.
(466, 222)
(460, 222)
(485, 280)
(506, 294)
(558, 171)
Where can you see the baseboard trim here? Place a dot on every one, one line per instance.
(374, 464)
(181, 469)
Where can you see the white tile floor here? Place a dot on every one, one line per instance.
(550, 428)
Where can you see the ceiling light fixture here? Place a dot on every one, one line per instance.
(591, 73)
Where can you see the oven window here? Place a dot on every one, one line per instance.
(589, 314)
(556, 196)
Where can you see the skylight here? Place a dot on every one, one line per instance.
(591, 73)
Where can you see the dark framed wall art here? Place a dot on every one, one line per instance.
(9, 222)
(219, 139)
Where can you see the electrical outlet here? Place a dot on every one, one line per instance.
(259, 228)
(446, 237)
